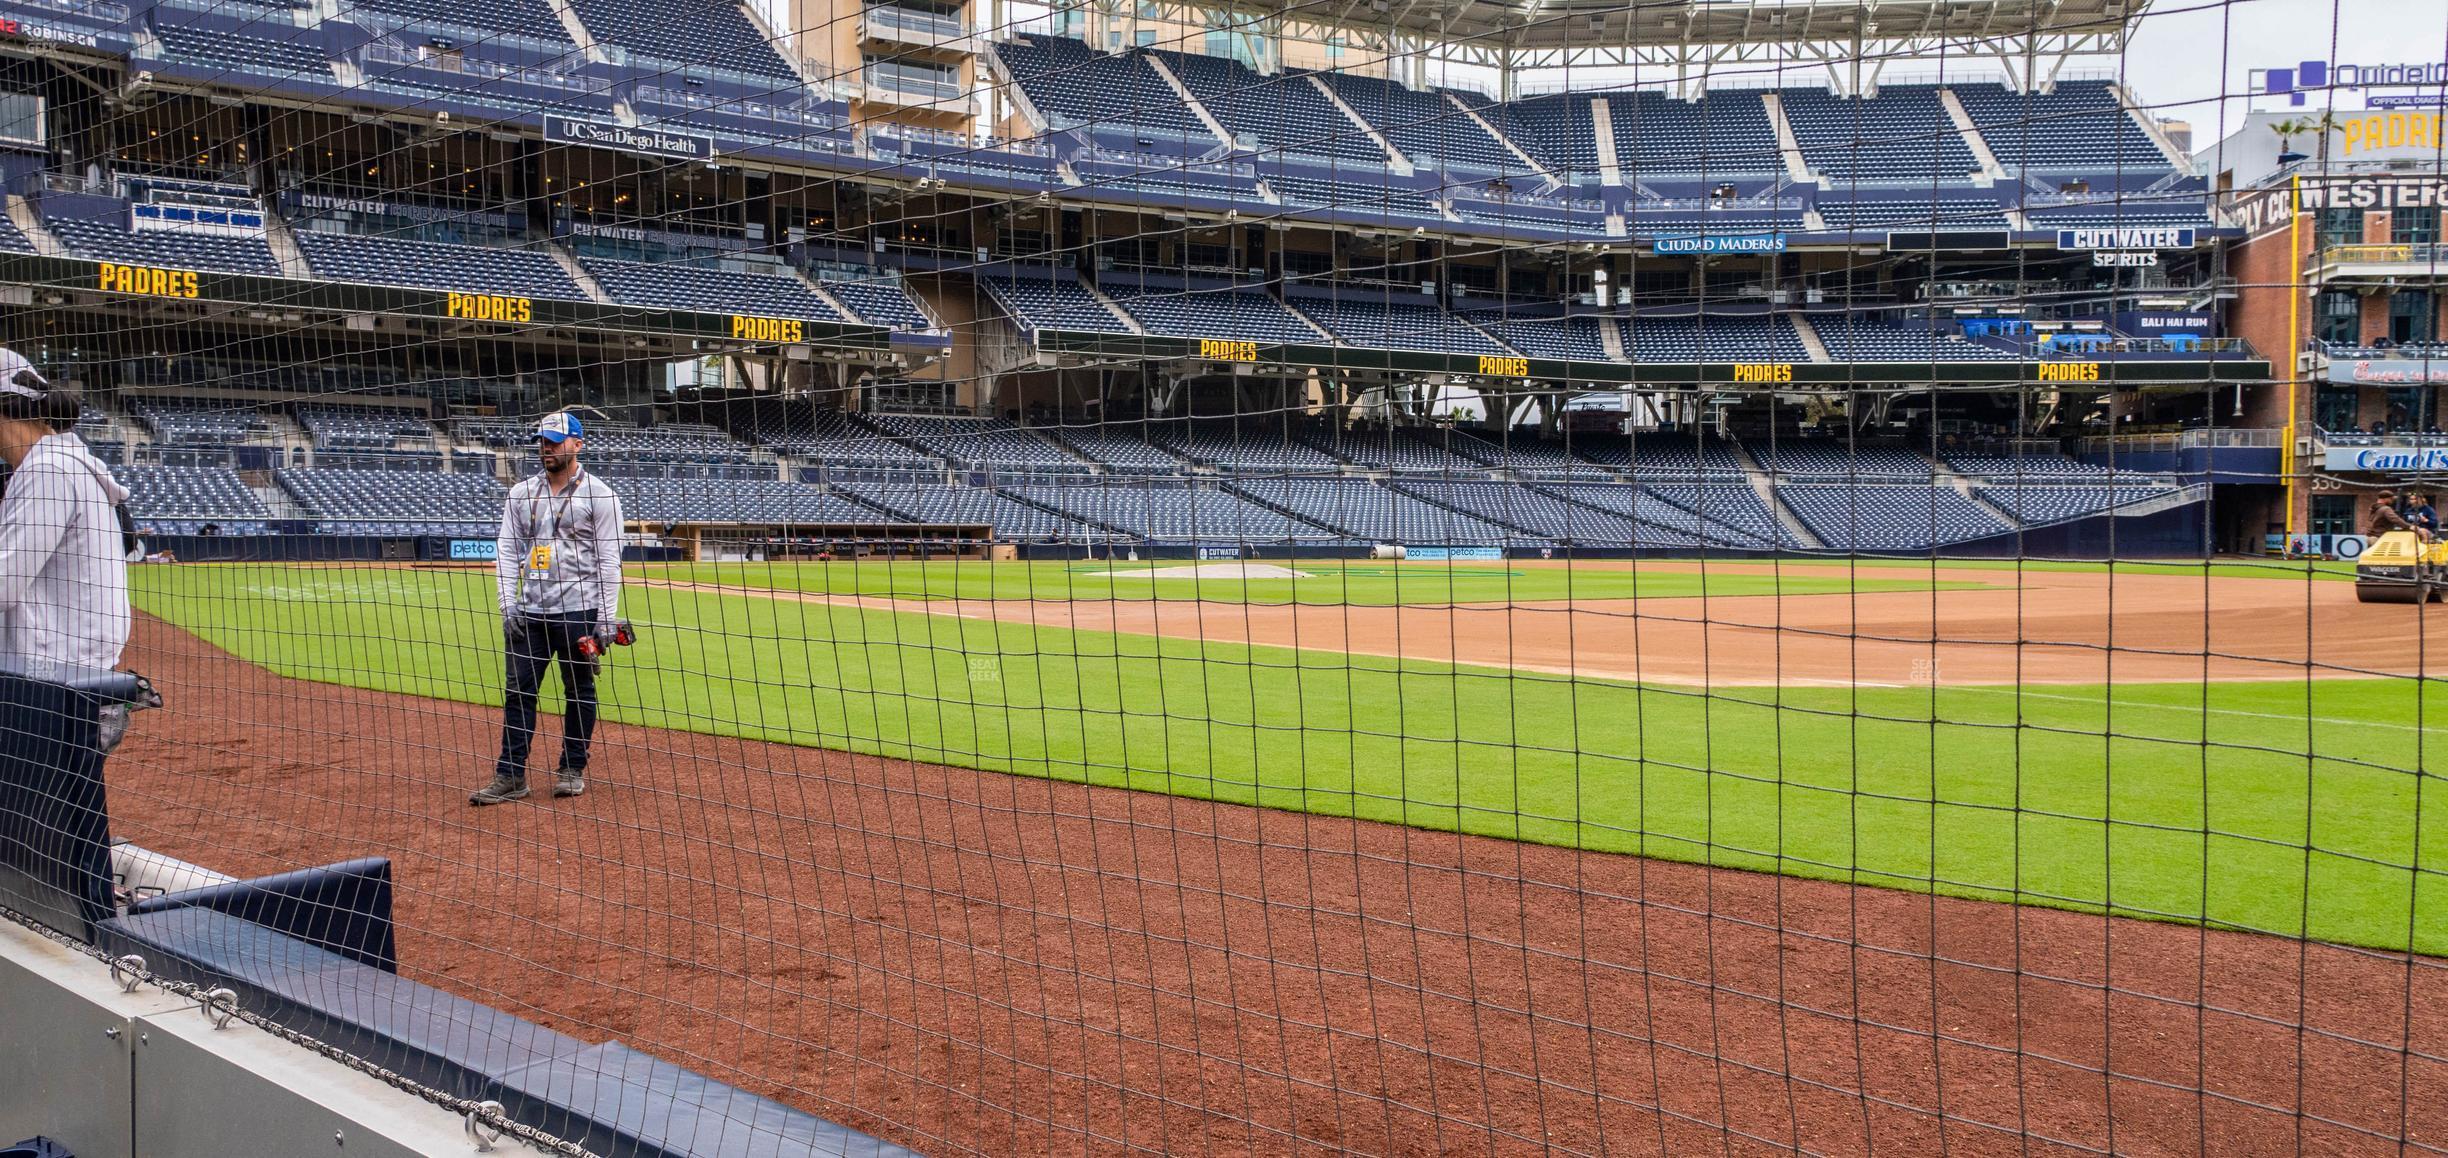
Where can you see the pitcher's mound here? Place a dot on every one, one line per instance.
(1214, 571)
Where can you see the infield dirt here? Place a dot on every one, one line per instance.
(2039, 627)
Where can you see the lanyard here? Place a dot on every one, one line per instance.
(561, 511)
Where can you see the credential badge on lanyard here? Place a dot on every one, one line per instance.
(540, 556)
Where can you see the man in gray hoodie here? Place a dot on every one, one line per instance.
(63, 559)
(63, 603)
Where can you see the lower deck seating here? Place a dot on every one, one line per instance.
(1366, 511)
(936, 504)
(763, 502)
(186, 500)
(1176, 513)
(1891, 517)
(2038, 504)
(397, 502)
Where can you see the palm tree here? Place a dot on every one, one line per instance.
(2289, 129)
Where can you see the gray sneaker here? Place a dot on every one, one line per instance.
(569, 782)
(502, 790)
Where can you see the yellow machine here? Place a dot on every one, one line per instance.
(2399, 567)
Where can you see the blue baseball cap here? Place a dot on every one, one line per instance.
(559, 428)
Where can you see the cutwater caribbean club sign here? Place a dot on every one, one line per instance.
(651, 142)
(1721, 243)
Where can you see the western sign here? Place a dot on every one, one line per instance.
(2127, 237)
(1721, 243)
(650, 142)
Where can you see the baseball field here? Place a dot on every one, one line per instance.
(2234, 744)
(1668, 858)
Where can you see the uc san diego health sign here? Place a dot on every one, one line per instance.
(651, 142)
(1721, 243)
(2387, 460)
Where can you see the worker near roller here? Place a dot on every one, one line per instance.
(2418, 511)
(2385, 517)
(558, 563)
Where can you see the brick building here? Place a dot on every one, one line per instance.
(2338, 278)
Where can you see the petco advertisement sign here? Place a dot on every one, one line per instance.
(651, 142)
(2387, 460)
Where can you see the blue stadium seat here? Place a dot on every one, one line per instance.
(1574, 338)
(281, 52)
(1712, 337)
(710, 289)
(2078, 127)
(1254, 446)
(978, 442)
(432, 265)
(1366, 511)
(1855, 338)
(1076, 86)
(1901, 135)
(1827, 458)
(1389, 318)
(1058, 302)
(1119, 448)
(1428, 126)
(938, 504)
(181, 500)
(1720, 136)
(715, 35)
(1185, 309)
(1886, 518)
(111, 241)
(1283, 114)
(400, 503)
(1172, 512)
(879, 298)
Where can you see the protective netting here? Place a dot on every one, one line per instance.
(1448, 578)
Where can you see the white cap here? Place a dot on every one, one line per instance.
(14, 369)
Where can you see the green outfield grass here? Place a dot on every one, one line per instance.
(1330, 583)
(2286, 808)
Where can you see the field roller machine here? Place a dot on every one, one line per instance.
(2399, 567)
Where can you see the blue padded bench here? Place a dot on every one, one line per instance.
(345, 908)
(615, 1100)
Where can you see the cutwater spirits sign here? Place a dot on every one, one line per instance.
(651, 142)
(1721, 243)
(2127, 237)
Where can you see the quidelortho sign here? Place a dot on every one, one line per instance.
(651, 142)
(2387, 459)
(2388, 372)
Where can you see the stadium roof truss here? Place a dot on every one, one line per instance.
(2029, 39)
